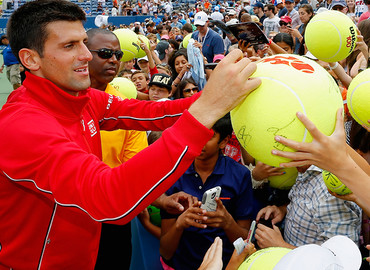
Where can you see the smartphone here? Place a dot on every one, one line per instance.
(239, 245)
(251, 232)
(208, 199)
(210, 66)
(249, 32)
(265, 222)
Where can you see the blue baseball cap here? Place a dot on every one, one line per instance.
(258, 5)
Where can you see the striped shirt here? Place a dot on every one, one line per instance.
(314, 216)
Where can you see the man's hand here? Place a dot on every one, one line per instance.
(267, 237)
(176, 203)
(221, 93)
(276, 214)
(213, 258)
(220, 218)
(263, 171)
(193, 216)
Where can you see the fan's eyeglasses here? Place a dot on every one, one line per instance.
(105, 53)
(194, 90)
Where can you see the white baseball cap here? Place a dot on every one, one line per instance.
(200, 18)
(217, 16)
(337, 253)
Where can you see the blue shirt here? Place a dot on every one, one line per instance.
(178, 25)
(212, 44)
(157, 21)
(9, 57)
(282, 12)
(236, 196)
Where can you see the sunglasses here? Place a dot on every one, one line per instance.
(105, 53)
(194, 89)
(337, 8)
(283, 23)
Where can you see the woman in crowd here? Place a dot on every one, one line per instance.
(305, 14)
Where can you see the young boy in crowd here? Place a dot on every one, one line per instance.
(160, 86)
(185, 238)
(141, 80)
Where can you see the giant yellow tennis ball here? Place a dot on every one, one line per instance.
(141, 52)
(330, 36)
(129, 42)
(185, 41)
(285, 181)
(264, 259)
(290, 83)
(358, 98)
(334, 184)
(125, 87)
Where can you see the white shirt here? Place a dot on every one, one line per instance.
(271, 25)
(217, 16)
(114, 11)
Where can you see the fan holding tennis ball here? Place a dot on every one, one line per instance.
(290, 83)
(331, 36)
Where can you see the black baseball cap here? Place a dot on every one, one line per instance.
(162, 80)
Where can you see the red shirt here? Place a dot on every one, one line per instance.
(54, 189)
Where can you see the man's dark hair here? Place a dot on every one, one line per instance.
(27, 25)
(223, 127)
(271, 7)
(187, 27)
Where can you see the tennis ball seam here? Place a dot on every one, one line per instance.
(339, 35)
(256, 258)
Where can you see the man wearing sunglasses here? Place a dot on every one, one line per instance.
(118, 146)
(339, 5)
(51, 172)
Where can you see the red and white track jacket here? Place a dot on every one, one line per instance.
(54, 189)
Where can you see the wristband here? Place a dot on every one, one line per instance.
(334, 67)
